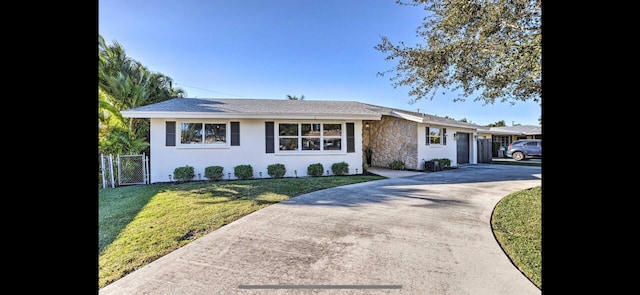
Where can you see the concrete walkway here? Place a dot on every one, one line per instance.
(427, 233)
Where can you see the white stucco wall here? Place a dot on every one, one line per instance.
(473, 137)
(449, 151)
(164, 159)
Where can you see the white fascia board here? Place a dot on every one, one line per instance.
(407, 117)
(453, 125)
(207, 115)
(503, 132)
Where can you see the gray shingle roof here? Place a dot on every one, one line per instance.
(281, 108)
(423, 118)
(255, 107)
(438, 119)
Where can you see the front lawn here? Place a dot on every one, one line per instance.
(139, 224)
(517, 225)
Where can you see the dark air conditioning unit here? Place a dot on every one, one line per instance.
(431, 166)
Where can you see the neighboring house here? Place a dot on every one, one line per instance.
(505, 135)
(296, 133)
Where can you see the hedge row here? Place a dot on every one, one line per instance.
(187, 173)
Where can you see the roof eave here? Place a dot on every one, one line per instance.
(407, 117)
(426, 121)
(502, 132)
(206, 115)
(450, 125)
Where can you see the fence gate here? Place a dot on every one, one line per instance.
(106, 171)
(484, 150)
(133, 169)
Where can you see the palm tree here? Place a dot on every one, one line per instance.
(124, 83)
(289, 97)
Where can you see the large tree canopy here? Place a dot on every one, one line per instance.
(490, 49)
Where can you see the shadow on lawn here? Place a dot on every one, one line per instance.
(119, 206)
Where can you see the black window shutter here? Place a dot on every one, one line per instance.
(351, 141)
(235, 133)
(268, 130)
(170, 133)
(444, 136)
(427, 135)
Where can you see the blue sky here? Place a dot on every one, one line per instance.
(322, 49)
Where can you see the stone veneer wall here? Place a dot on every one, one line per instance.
(392, 139)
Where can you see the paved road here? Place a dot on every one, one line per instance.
(424, 234)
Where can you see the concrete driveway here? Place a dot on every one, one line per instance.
(428, 233)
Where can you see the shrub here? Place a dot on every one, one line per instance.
(443, 163)
(341, 168)
(184, 173)
(243, 171)
(368, 152)
(276, 170)
(396, 165)
(214, 172)
(315, 169)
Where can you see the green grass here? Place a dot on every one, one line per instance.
(139, 224)
(517, 225)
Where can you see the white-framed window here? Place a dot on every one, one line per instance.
(193, 133)
(436, 135)
(309, 137)
(504, 141)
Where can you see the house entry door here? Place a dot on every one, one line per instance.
(463, 148)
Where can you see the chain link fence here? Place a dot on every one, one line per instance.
(126, 169)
